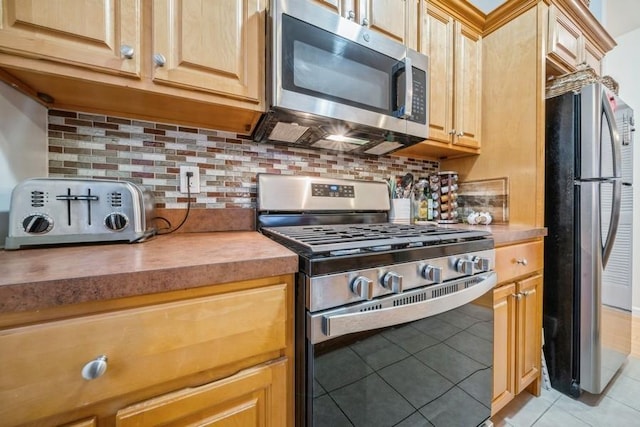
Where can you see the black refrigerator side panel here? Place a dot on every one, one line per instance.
(560, 253)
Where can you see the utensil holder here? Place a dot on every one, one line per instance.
(401, 211)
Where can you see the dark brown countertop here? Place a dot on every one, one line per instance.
(34, 279)
(40, 278)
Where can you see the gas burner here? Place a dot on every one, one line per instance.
(340, 239)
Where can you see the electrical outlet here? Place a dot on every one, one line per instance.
(195, 179)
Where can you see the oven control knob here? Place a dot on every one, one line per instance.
(37, 224)
(481, 264)
(432, 273)
(116, 221)
(393, 282)
(464, 266)
(363, 287)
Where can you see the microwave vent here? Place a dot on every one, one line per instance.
(287, 132)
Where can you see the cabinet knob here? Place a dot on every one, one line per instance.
(127, 51)
(159, 59)
(459, 134)
(351, 15)
(522, 261)
(452, 132)
(96, 368)
(517, 296)
(365, 22)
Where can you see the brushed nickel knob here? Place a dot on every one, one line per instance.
(459, 134)
(127, 51)
(96, 368)
(522, 261)
(365, 22)
(363, 287)
(159, 59)
(393, 282)
(432, 273)
(452, 132)
(351, 15)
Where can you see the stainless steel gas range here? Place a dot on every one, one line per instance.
(394, 323)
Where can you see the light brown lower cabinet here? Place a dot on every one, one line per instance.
(254, 397)
(517, 303)
(219, 355)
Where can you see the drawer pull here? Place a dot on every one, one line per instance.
(522, 261)
(96, 368)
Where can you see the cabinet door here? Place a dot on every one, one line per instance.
(468, 87)
(213, 46)
(339, 7)
(504, 344)
(387, 17)
(439, 47)
(565, 43)
(254, 397)
(528, 352)
(76, 32)
(593, 57)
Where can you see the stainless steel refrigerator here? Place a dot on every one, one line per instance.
(587, 263)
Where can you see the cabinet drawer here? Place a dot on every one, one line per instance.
(518, 260)
(144, 346)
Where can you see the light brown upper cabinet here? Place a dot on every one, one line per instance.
(102, 36)
(575, 39)
(396, 19)
(455, 55)
(193, 62)
(212, 46)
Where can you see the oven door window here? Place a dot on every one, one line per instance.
(326, 66)
(435, 370)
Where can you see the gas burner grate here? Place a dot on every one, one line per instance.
(319, 239)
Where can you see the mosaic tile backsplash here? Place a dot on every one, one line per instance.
(150, 154)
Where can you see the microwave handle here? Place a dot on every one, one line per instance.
(408, 99)
(404, 111)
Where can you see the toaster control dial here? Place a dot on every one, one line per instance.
(37, 224)
(116, 221)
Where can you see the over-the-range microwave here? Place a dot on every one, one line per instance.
(334, 84)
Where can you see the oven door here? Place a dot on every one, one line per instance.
(326, 65)
(423, 356)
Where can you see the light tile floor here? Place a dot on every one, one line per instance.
(618, 405)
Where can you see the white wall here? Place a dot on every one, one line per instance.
(23, 145)
(623, 64)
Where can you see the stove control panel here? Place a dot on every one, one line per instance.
(332, 190)
(334, 290)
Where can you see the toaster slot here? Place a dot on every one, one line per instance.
(78, 197)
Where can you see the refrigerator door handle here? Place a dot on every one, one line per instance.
(615, 220)
(613, 131)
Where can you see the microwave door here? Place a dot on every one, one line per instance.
(329, 74)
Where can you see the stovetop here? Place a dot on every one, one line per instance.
(341, 239)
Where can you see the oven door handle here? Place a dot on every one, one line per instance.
(335, 325)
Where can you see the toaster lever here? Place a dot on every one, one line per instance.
(76, 197)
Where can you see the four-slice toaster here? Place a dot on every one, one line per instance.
(49, 211)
